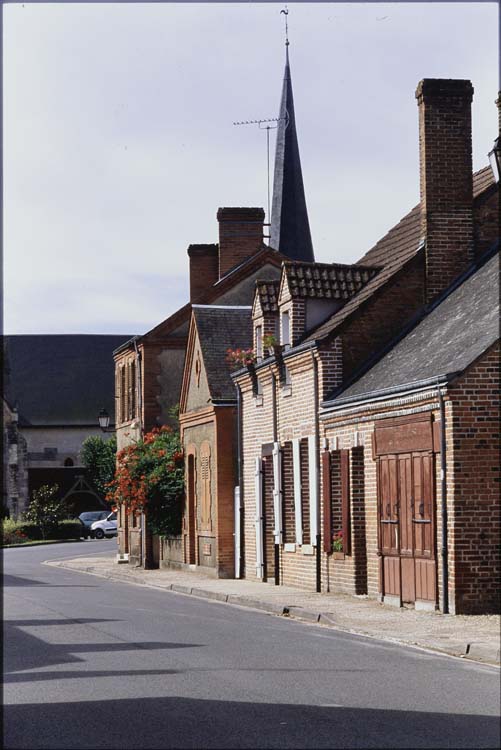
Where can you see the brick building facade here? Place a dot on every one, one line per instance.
(309, 468)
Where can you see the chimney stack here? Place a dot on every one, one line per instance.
(240, 236)
(204, 271)
(446, 179)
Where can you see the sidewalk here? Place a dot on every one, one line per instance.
(471, 637)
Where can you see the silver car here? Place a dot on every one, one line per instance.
(107, 527)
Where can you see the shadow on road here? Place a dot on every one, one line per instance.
(23, 651)
(9, 580)
(191, 723)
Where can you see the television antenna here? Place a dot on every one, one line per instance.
(262, 126)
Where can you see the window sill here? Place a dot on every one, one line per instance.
(286, 390)
(258, 400)
(307, 549)
(289, 547)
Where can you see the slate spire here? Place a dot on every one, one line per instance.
(290, 229)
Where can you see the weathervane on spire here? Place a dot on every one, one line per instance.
(286, 13)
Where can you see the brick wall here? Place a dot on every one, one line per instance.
(383, 318)
(240, 236)
(475, 488)
(446, 179)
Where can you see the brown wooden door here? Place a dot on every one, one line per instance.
(406, 526)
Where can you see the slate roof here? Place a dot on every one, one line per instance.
(219, 329)
(327, 280)
(268, 295)
(456, 331)
(392, 252)
(290, 228)
(60, 379)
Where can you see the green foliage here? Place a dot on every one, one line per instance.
(99, 457)
(19, 532)
(46, 509)
(150, 477)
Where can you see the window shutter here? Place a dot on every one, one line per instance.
(345, 500)
(277, 493)
(313, 476)
(326, 501)
(258, 485)
(296, 463)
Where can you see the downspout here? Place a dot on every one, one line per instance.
(240, 479)
(275, 438)
(443, 479)
(317, 454)
(140, 419)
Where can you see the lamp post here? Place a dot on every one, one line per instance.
(495, 159)
(104, 421)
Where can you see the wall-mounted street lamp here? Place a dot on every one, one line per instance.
(104, 421)
(495, 159)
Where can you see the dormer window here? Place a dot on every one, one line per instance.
(286, 335)
(259, 342)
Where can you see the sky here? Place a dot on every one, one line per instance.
(119, 143)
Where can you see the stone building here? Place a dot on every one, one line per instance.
(335, 322)
(55, 387)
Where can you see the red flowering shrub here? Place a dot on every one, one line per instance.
(239, 358)
(150, 476)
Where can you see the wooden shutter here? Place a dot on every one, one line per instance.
(345, 501)
(313, 476)
(205, 476)
(388, 505)
(296, 462)
(326, 501)
(258, 487)
(277, 493)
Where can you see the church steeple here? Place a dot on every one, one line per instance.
(290, 229)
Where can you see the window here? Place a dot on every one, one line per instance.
(122, 394)
(286, 338)
(68, 462)
(132, 390)
(259, 342)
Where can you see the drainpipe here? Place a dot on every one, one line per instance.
(275, 439)
(317, 440)
(443, 479)
(140, 419)
(240, 480)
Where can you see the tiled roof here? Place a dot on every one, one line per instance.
(219, 329)
(327, 280)
(397, 247)
(268, 295)
(447, 340)
(61, 379)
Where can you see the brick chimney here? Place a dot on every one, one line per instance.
(240, 236)
(204, 271)
(446, 179)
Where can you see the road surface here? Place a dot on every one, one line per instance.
(93, 663)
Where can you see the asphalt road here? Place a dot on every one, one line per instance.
(92, 663)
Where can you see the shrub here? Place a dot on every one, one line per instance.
(69, 530)
(45, 509)
(15, 532)
(150, 478)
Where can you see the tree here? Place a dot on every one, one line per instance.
(150, 478)
(99, 458)
(46, 509)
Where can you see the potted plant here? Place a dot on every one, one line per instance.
(270, 343)
(338, 545)
(238, 358)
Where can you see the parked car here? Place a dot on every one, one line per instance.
(107, 527)
(88, 518)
